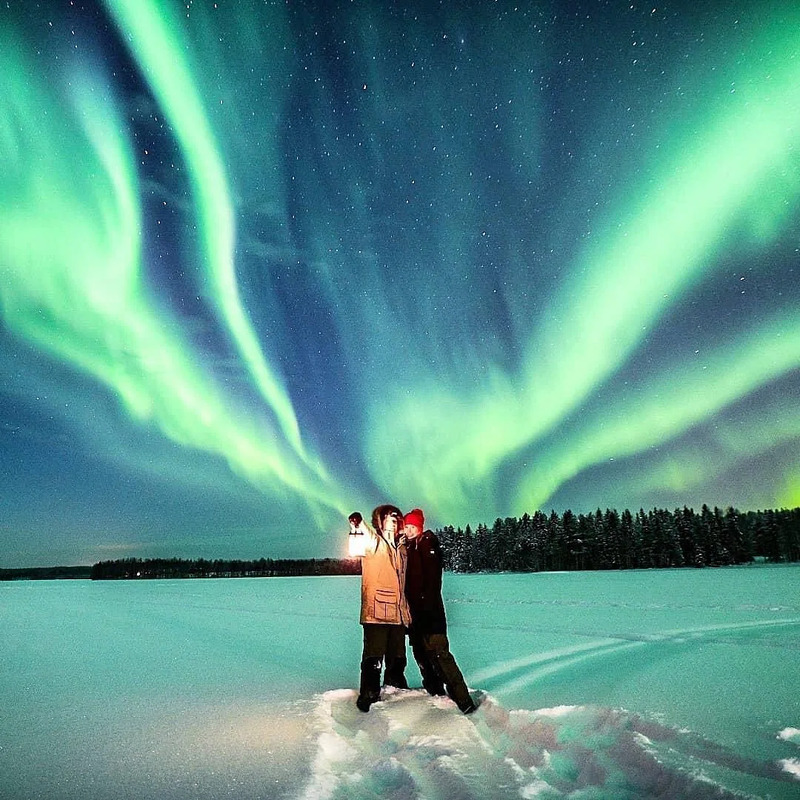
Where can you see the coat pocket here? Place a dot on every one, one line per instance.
(386, 605)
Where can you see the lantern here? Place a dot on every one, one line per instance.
(357, 544)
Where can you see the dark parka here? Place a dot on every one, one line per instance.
(424, 584)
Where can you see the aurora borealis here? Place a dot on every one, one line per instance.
(263, 263)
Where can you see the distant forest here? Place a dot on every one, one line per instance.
(540, 542)
(44, 573)
(610, 540)
(130, 568)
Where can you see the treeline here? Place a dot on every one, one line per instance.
(133, 568)
(44, 573)
(612, 540)
(533, 543)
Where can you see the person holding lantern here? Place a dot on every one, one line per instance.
(384, 610)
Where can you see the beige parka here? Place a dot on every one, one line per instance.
(383, 575)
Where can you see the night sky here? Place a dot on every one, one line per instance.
(265, 263)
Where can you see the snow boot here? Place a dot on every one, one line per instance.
(369, 691)
(395, 673)
(466, 705)
(433, 686)
(432, 682)
(460, 695)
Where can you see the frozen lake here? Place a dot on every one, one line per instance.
(676, 683)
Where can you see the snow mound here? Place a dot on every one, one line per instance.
(791, 765)
(790, 735)
(411, 745)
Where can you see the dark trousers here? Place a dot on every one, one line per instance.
(438, 666)
(382, 643)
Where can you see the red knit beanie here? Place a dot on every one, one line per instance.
(415, 517)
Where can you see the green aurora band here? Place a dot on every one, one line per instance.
(721, 170)
(78, 293)
(662, 409)
(153, 33)
(742, 167)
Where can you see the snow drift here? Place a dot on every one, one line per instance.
(411, 745)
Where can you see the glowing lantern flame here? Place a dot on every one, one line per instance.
(357, 544)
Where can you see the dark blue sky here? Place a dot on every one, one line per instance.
(264, 263)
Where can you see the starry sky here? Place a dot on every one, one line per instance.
(265, 263)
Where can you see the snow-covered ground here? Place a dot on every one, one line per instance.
(668, 684)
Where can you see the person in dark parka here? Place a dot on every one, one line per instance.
(428, 631)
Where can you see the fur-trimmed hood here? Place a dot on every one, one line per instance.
(379, 514)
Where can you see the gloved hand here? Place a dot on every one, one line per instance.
(355, 520)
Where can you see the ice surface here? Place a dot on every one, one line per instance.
(666, 684)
